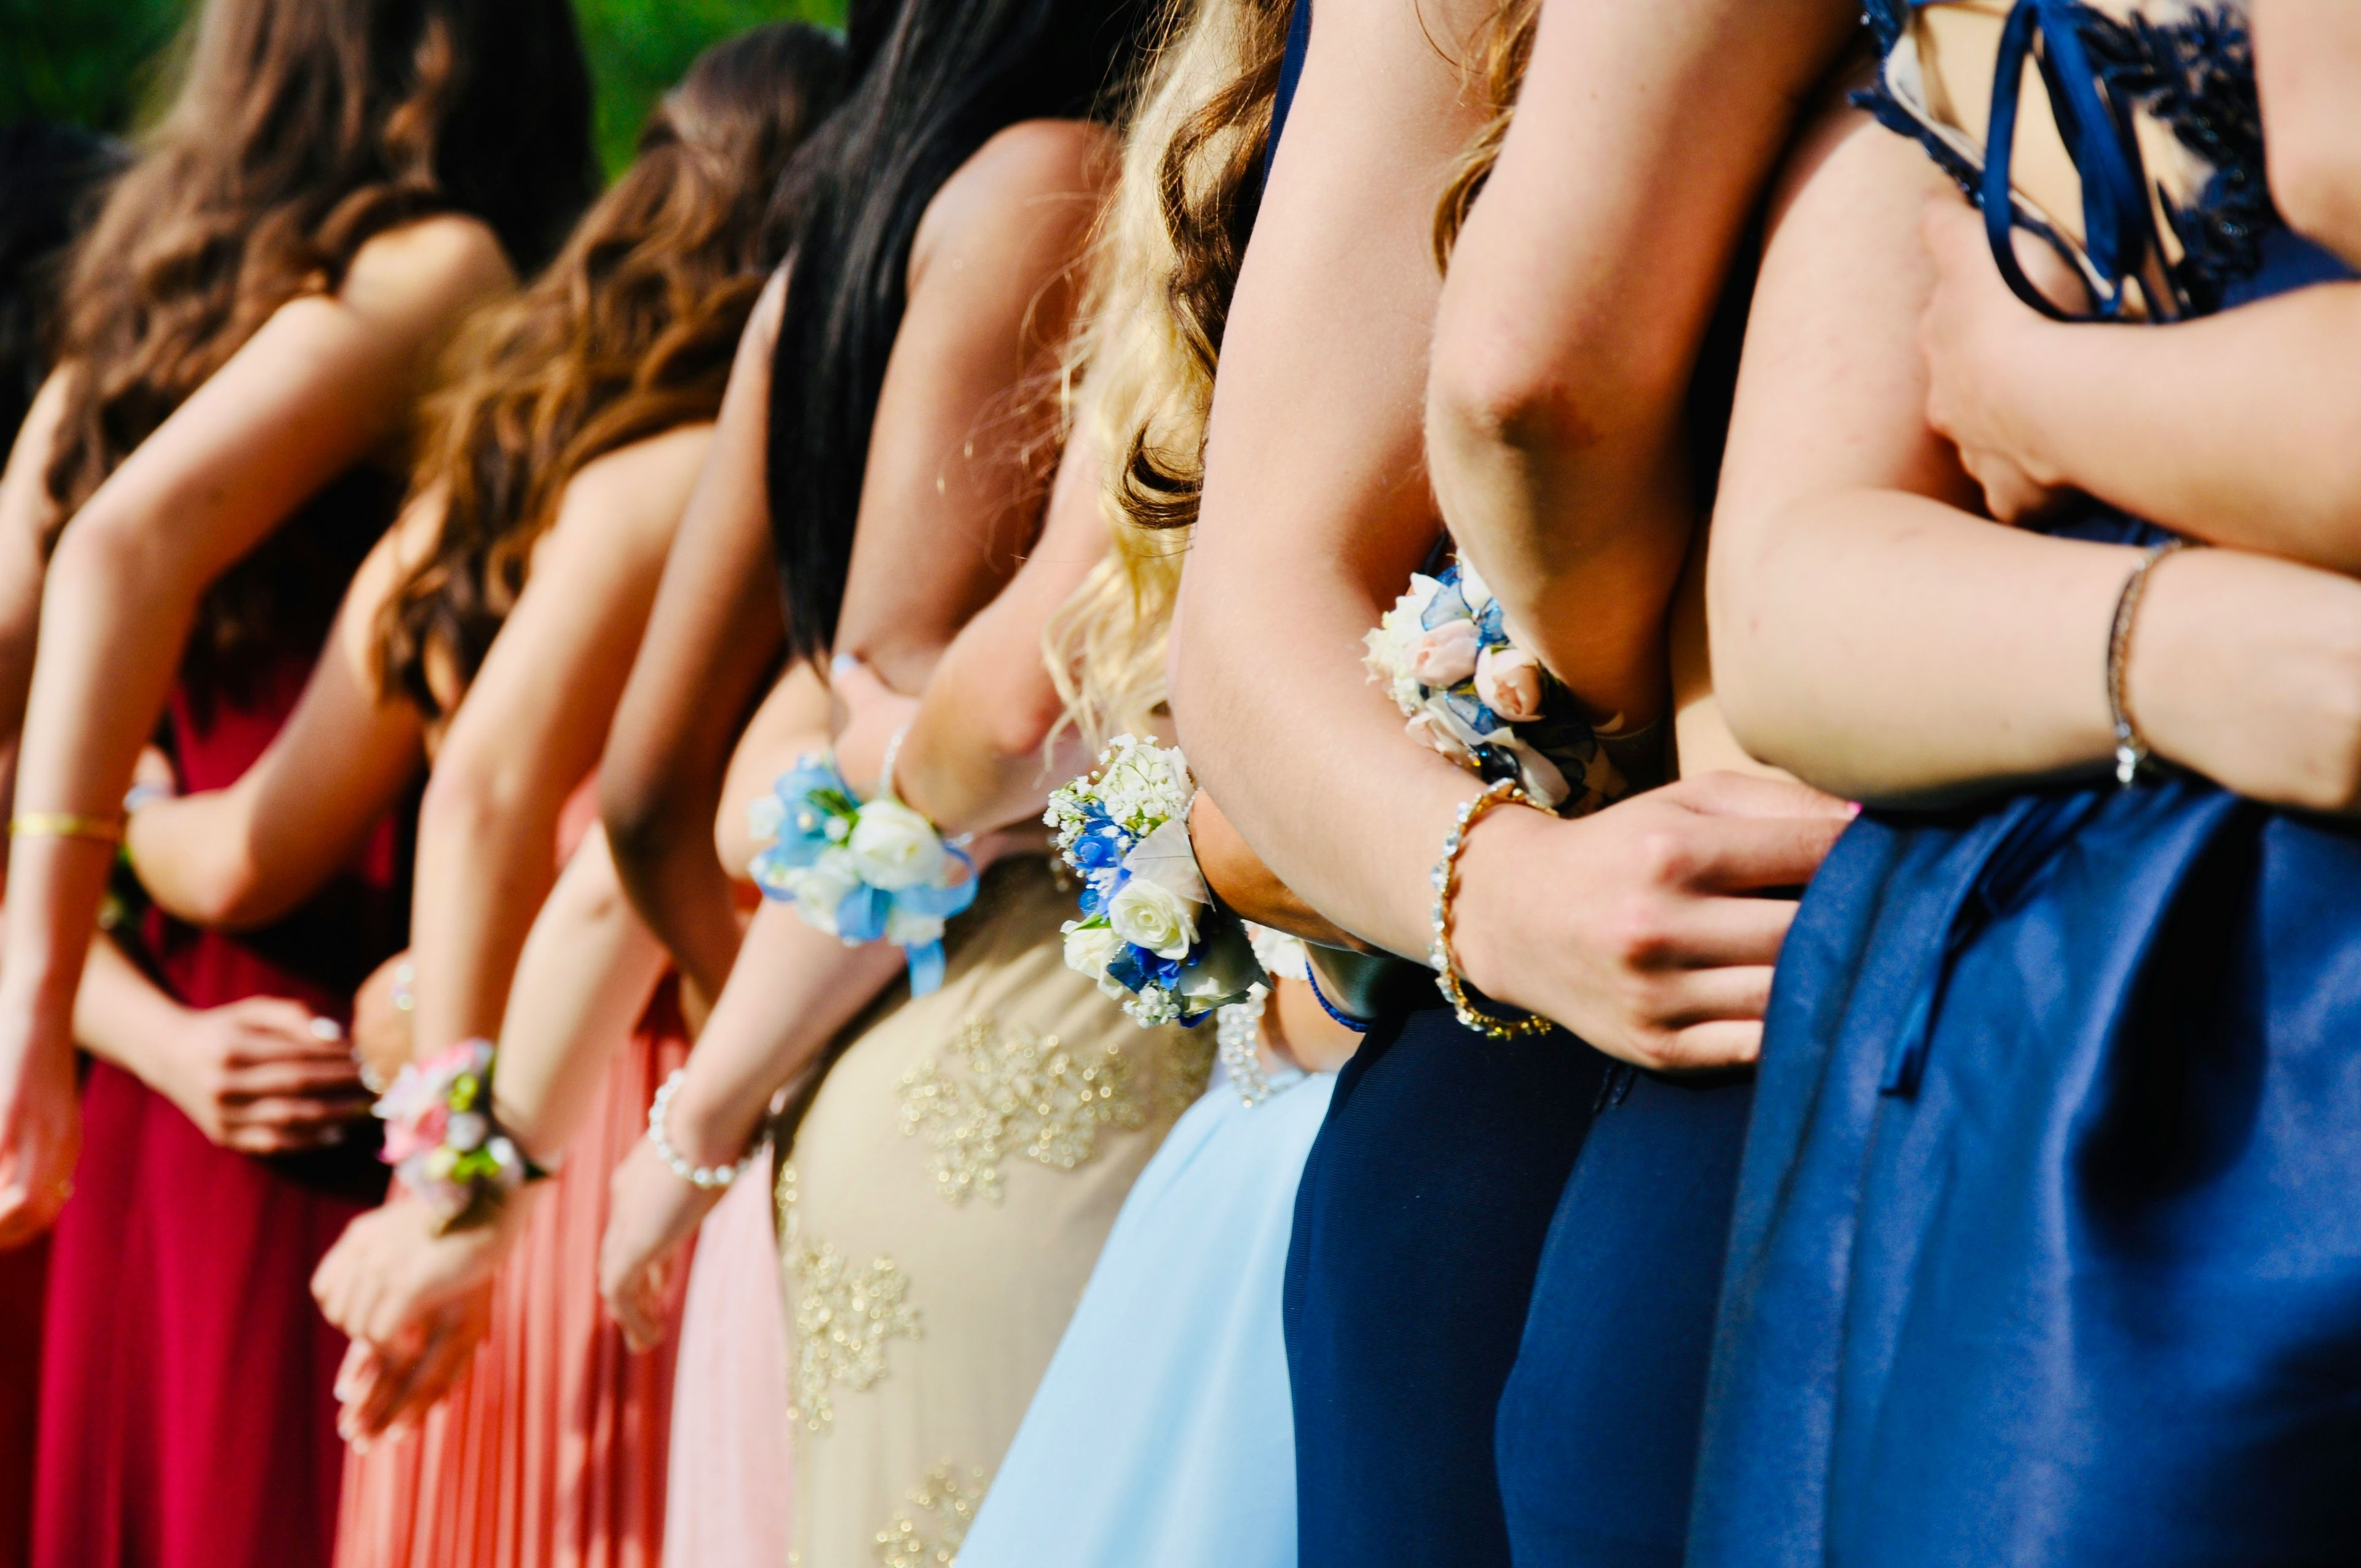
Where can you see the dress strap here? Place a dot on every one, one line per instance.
(2118, 229)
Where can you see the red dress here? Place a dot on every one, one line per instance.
(186, 1413)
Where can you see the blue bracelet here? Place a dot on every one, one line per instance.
(1311, 973)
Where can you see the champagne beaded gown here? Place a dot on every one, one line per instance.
(946, 1191)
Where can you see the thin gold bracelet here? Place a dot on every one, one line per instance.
(1446, 887)
(65, 825)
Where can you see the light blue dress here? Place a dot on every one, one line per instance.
(1163, 1434)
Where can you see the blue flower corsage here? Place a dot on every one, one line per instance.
(862, 871)
(1150, 933)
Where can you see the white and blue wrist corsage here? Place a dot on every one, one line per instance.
(862, 871)
(1150, 934)
(1468, 691)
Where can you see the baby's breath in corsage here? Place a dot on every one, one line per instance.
(1150, 934)
(1470, 693)
(861, 870)
(440, 1137)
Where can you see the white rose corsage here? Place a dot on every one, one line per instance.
(440, 1137)
(1469, 692)
(861, 870)
(1150, 934)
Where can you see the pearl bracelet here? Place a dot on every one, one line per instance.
(1446, 969)
(704, 1178)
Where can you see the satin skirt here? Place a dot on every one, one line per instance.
(2046, 1248)
(1419, 1227)
(1598, 1425)
(550, 1452)
(1162, 1435)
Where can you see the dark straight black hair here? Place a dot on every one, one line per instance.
(947, 76)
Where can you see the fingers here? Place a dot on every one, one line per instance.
(326, 1078)
(1736, 992)
(1741, 854)
(1724, 794)
(444, 1352)
(1717, 933)
(279, 1020)
(1718, 1042)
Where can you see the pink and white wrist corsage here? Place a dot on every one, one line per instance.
(440, 1137)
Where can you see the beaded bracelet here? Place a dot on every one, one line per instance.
(2131, 746)
(1312, 977)
(1446, 969)
(704, 1178)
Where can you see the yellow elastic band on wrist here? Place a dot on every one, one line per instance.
(65, 825)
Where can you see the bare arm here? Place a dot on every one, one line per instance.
(244, 855)
(1877, 640)
(532, 728)
(973, 760)
(323, 384)
(1578, 293)
(951, 498)
(712, 640)
(27, 513)
(1315, 513)
(2307, 60)
(2262, 404)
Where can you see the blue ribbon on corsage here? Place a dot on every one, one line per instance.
(863, 870)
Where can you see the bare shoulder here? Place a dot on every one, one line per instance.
(1035, 178)
(641, 487)
(435, 265)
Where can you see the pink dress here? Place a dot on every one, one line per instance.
(733, 1478)
(550, 1452)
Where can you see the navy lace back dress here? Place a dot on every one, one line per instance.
(2047, 1244)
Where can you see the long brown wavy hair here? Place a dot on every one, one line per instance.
(299, 130)
(629, 332)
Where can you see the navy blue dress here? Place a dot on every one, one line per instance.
(2046, 1247)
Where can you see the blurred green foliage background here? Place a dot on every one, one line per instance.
(96, 62)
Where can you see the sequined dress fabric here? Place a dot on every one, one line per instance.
(944, 1198)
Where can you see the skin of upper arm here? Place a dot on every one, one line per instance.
(27, 512)
(2307, 77)
(1831, 389)
(714, 629)
(951, 495)
(537, 714)
(327, 382)
(242, 856)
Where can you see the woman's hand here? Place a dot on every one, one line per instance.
(650, 1212)
(1972, 332)
(1643, 928)
(261, 1076)
(415, 1303)
(872, 713)
(41, 1122)
(382, 1037)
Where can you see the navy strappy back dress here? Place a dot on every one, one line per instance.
(2048, 1246)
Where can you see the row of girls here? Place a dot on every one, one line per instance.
(1802, 1009)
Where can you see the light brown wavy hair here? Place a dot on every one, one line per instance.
(299, 130)
(1496, 67)
(1161, 271)
(628, 333)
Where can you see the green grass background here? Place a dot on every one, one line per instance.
(96, 62)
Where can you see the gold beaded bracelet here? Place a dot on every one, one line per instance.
(65, 825)
(1444, 877)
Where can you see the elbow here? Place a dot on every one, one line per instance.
(642, 806)
(466, 801)
(2316, 182)
(1497, 387)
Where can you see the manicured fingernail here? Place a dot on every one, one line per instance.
(1852, 808)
